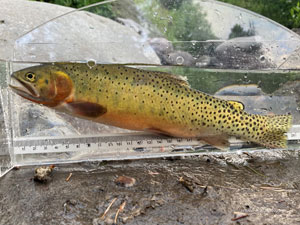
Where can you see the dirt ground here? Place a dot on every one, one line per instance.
(238, 188)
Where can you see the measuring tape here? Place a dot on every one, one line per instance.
(107, 143)
(137, 141)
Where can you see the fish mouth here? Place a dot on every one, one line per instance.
(23, 89)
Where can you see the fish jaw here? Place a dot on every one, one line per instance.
(59, 89)
(23, 87)
(24, 90)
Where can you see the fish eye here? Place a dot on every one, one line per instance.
(30, 76)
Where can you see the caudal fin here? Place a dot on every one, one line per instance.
(274, 131)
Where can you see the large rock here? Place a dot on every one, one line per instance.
(245, 44)
(243, 53)
(77, 36)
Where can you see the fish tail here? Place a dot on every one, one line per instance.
(273, 131)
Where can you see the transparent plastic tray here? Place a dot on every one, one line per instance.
(220, 49)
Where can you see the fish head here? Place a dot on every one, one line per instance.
(45, 84)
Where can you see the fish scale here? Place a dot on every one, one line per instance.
(149, 101)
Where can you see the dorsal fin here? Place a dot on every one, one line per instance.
(237, 105)
(176, 78)
(181, 80)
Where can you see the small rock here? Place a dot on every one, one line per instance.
(42, 174)
(125, 181)
(180, 58)
(204, 61)
(161, 46)
(188, 184)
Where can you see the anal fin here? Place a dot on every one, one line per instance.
(158, 132)
(219, 141)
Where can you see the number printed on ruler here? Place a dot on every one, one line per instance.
(35, 145)
(108, 143)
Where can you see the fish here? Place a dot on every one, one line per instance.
(146, 100)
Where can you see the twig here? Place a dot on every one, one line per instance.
(69, 177)
(273, 189)
(254, 171)
(152, 173)
(107, 209)
(121, 208)
(241, 216)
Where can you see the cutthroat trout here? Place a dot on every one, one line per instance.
(144, 100)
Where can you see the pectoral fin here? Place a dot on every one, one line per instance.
(87, 109)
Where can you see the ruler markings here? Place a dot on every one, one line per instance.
(110, 143)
